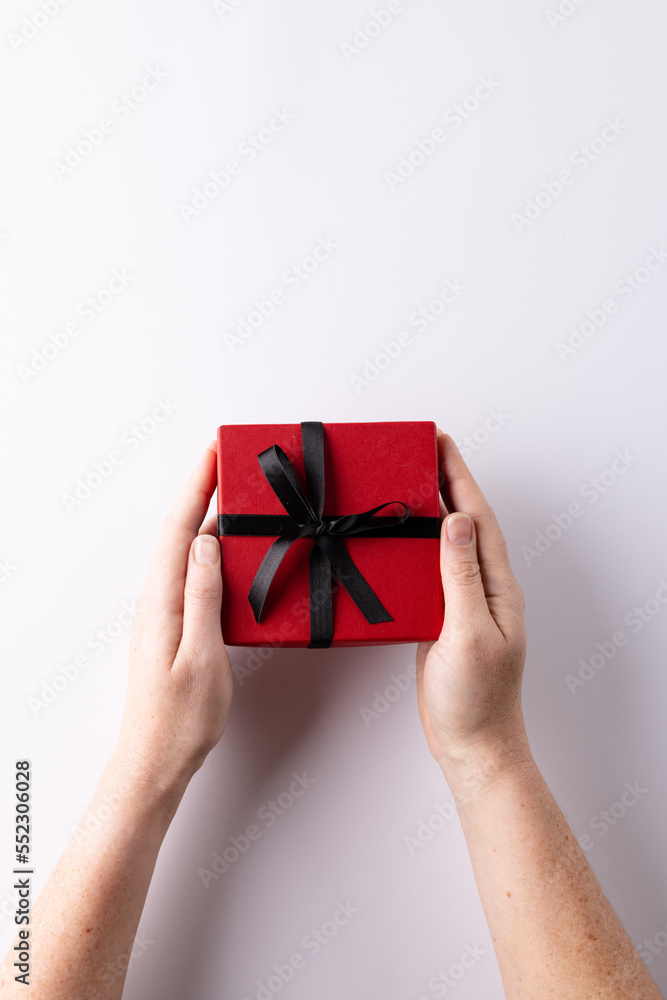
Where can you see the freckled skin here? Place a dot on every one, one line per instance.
(554, 933)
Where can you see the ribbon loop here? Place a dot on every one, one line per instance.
(281, 477)
(357, 524)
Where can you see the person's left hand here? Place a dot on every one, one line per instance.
(180, 678)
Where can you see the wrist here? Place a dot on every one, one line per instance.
(159, 754)
(152, 786)
(486, 762)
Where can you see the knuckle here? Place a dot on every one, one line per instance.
(468, 641)
(201, 592)
(467, 644)
(496, 534)
(465, 573)
(156, 633)
(171, 521)
(160, 620)
(514, 597)
(499, 539)
(195, 665)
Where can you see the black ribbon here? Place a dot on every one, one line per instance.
(305, 519)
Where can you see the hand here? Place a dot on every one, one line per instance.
(180, 678)
(469, 680)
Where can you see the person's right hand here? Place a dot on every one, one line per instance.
(469, 680)
(180, 679)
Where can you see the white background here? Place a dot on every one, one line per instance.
(327, 175)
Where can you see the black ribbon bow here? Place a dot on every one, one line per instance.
(305, 519)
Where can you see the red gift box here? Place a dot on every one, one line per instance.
(364, 468)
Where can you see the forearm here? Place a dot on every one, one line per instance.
(87, 915)
(554, 932)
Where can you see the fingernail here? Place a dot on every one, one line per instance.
(207, 549)
(459, 529)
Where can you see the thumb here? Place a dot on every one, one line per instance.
(202, 598)
(461, 575)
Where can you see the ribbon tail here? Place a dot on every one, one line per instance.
(321, 613)
(265, 574)
(351, 578)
